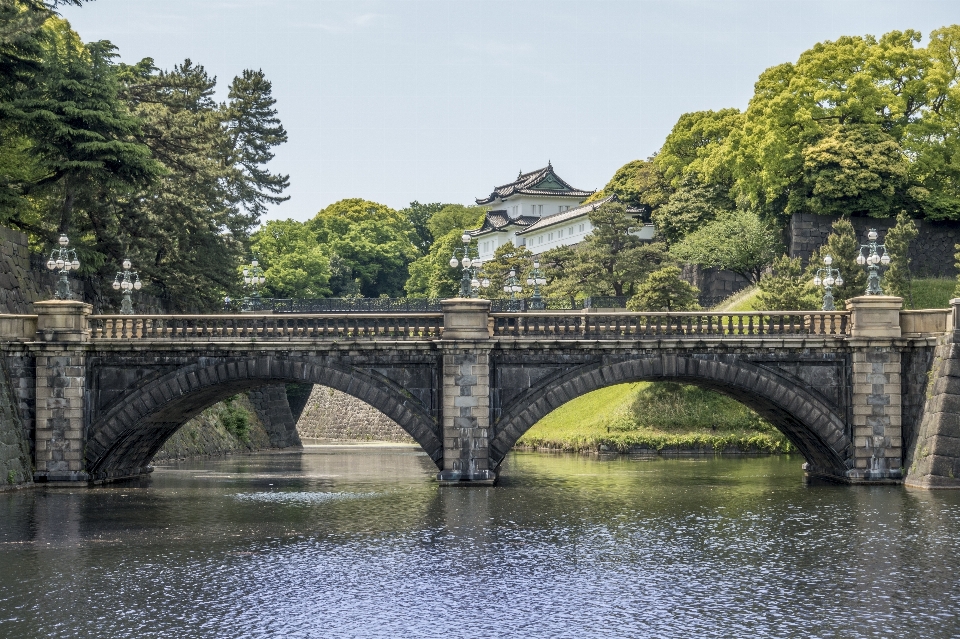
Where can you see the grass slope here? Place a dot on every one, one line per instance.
(932, 292)
(653, 416)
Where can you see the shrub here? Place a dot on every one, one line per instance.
(236, 420)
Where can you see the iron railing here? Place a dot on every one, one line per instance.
(267, 327)
(417, 305)
(658, 325)
(354, 305)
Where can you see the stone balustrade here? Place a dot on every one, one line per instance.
(634, 325)
(267, 327)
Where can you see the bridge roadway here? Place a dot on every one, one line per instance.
(99, 395)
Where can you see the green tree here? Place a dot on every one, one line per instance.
(612, 260)
(857, 168)
(431, 275)
(183, 231)
(373, 241)
(695, 148)
(739, 241)
(691, 205)
(897, 280)
(253, 130)
(455, 217)
(557, 265)
(844, 247)
(82, 137)
(665, 290)
(419, 215)
(787, 287)
(858, 125)
(295, 266)
(507, 257)
(636, 184)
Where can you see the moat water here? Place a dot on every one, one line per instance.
(361, 542)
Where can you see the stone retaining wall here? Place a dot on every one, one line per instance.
(331, 414)
(205, 435)
(931, 253)
(933, 460)
(15, 465)
(24, 280)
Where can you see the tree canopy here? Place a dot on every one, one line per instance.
(373, 241)
(130, 160)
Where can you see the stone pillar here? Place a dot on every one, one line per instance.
(62, 336)
(273, 409)
(876, 399)
(466, 393)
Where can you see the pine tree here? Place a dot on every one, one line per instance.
(185, 222)
(897, 280)
(844, 247)
(786, 287)
(665, 290)
(254, 130)
(612, 260)
(506, 257)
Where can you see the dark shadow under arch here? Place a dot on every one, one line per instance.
(125, 438)
(808, 421)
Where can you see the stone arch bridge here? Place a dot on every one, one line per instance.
(99, 395)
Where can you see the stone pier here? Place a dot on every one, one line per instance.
(60, 383)
(466, 393)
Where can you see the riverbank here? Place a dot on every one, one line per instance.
(649, 418)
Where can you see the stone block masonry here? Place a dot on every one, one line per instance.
(933, 459)
(15, 455)
(332, 414)
(931, 253)
(466, 414)
(24, 279)
(876, 414)
(60, 436)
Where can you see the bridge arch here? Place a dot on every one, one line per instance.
(123, 440)
(805, 418)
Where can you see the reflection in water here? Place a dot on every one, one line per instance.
(360, 541)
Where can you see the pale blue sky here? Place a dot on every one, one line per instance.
(441, 100)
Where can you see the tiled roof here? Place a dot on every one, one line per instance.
(527, 183)
(584, 209)
(499, 220)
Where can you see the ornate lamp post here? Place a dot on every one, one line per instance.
(470, 267)
(64, 259)
(127, 281)
(870, 254)
(512, 285)
(536, 280)
(828, 277)
(476, 283)
(252, 279)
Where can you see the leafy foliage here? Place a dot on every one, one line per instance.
(372, 242)
(455, 217)
(786, 287)
(844, 247)
(507, 257)
(636, 184)
(859, 126)
(294, 264)
(897, 280)
(739, 241)
(431, 275)
(236, 419)
(611, 260)
(419, 216)
(691, 205)
(130, 160)
(664, 290)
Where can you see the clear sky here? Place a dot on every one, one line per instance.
(441, 100)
